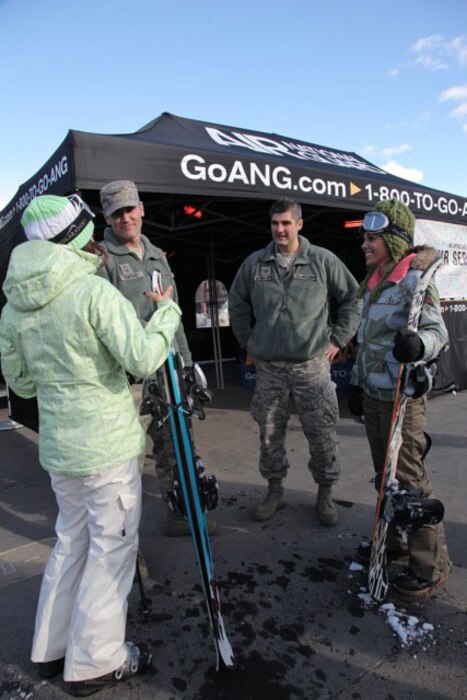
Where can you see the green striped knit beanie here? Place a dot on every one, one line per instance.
(64, 220)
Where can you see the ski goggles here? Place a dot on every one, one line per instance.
(375, 222)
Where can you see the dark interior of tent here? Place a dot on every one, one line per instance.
(209, 238)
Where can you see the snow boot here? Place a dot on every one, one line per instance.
(363, 553)
(138, 661)
(271, 503)
(413, 587)
(327, 511)
(50, 669)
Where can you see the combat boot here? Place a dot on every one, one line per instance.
(271, 503)
(142, 565)
(180, 527)
(327, 511)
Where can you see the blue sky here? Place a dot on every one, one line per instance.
(385, 79)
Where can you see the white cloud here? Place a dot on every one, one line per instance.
(395, 168)
(392, 72)
(460, 111)
(376, 152)
(431, 63)
(459, 47)
(457, 92)
(369, 150)
(429, 52)
(435, 52)
(392, 166)
(395, 150)
(428, 43)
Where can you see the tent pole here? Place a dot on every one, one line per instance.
(214, 312)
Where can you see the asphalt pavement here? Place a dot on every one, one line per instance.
(294, 600)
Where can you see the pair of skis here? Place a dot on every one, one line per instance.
(395, 505)
(194, 493)
(176, 396)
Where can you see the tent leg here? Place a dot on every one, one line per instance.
(214, 311)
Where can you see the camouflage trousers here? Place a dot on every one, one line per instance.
(159, 450)
(428, 554)
(308, 385)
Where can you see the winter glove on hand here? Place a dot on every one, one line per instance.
(408, 346)
(355, 400)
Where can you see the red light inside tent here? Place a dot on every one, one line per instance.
(353, 224)
(192, 211)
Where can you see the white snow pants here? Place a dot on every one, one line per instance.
(82, 607)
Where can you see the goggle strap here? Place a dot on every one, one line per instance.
(398, 231)
(74, 229)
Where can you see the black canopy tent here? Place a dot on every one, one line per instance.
(229, 175)
(174, 155)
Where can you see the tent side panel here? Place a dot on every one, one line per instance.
(55, 177)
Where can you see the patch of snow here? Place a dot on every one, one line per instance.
(355, 566)
(366, 599)
(407, 628)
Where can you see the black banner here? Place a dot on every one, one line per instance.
(453, 363)
(174, 155)
(55, 177)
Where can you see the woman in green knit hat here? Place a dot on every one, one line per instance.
(69, 337)
(384, 342)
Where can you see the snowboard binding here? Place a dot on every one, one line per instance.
(208, 491)
(418, 380)
(153, 404)
(197, 391)
(407, 510)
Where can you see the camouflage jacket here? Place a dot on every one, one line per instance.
(278, 318)
(376, 368)
(132, 276)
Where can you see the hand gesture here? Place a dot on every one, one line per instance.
(155, 296)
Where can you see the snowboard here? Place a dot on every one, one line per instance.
(181, 396)
(393, 504)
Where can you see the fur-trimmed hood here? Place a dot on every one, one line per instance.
(425, 255)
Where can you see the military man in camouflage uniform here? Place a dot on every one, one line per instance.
(279, 310)
(129, 265)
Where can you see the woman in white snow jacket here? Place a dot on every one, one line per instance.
(68, 337)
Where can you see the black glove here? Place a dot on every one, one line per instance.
(355, 400)
(408, 346)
